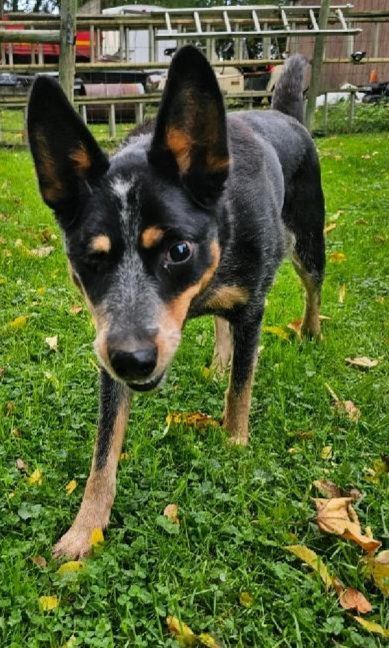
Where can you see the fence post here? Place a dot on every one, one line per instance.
(67, 57)
(316, 63)
(351, 110)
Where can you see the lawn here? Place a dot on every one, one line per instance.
(225, 569)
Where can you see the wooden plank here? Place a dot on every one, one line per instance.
(67, 57)
(29, 36)
(318, 52)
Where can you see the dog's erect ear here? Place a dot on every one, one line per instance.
(66, 156)
(191, 135)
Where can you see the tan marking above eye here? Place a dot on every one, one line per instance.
(100, 243)
(151, 236)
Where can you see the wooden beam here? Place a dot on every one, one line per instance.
(67, 57)
(318, 55)
(29, 36)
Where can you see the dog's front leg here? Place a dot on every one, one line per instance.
(101, 485)
(238, 395)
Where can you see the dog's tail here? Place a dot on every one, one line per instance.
(288, 93)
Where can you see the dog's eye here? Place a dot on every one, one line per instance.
(179, 252)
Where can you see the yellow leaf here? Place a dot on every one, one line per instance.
(70, 567)
(363, 362)
(52, 342)
(124, 456)
(246, 599)
(36, 478)
(207, 640)
(276, 330)
(337, 257)
(379, 570)
(314, 561)
(342, 293)
(48, 603)
(171, 512)
(352, 599)
(373, 627)
(336, 515)
(96, 537)
(182, 632)
(329, 228)
(197, 419)
(74, 310)
(41, 291)
(326, 452)
(71, 486)
(18, 322)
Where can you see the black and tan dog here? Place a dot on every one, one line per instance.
(190, 219)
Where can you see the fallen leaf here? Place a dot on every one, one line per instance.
(41, 291)
(39, 561)
(361, 221)
(326, 452)
(48, 603)
(331, 490)
(276, 330)
(379, 468)
(378, 568)
(207, 640)
(43, 251)
(336, 515)
(124, 456)
(373, 627)
(366, 156)
(74, 310)
(352, 599)
(363, 362)
(197, 419)
(10, 407)
(96, 537)
(182, 632)
(171, 512)
(71, 486)
(342, 293)
(349, 409)
(52, 342)
(18, 322)
(21, 465)
(36, 478)
(246, 599)
(314, 561)
(295, 326)
(337, 257)
(70, 567)
(329, 228)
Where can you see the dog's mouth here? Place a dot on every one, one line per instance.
(146, 386)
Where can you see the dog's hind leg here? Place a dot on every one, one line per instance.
(308, 260)
(238, 396)
(223, 345)
(101, 485)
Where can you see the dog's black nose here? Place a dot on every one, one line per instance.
(134, 364)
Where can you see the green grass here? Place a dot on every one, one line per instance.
(238, 508)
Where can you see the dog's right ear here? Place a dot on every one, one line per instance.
(67, 158)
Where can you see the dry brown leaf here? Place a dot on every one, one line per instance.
(52, 342)
(352, 599)
(342, 293)
(314, 561)
(344, 408)
(329, 228)
(196, 419)
(21, 465)
(336, 515)
(295, 326)
(337, 257)
(39, 561)
(171, 512)
(363, 362)
(74, 310)
(331, 490)
(371, 626)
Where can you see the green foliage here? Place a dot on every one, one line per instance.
(238, 508)
(368, 118)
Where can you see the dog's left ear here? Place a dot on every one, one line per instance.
(190, 137)
(67, 157)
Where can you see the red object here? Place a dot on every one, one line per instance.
(51, 50)
(373, 77)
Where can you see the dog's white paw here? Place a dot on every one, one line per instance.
(75, 543)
